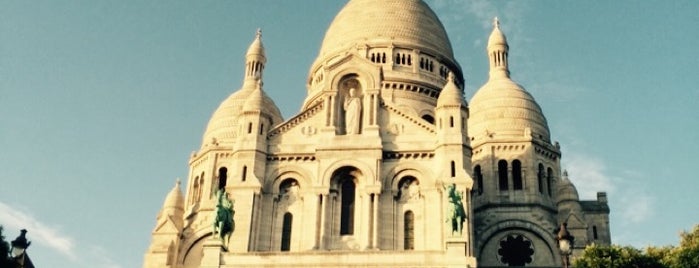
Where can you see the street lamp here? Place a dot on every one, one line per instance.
(565, 244)
(19, 248)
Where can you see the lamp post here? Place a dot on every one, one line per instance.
(19, 248)
(565, 244)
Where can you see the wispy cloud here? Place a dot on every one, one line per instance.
(54, 239)
(49, 236)
(628, 196)
(482, 12)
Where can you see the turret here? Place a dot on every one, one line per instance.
(166, 235)
(255, 59)
(498, 52)
(451, 113)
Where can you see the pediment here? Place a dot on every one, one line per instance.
(575, 222)
(302, 127)
(396, 121)
(167, 225)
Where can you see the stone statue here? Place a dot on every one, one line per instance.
(353, 112)
(456, 212)
(223, 223)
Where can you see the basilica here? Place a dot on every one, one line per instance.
(385, 165)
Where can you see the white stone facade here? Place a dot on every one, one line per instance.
(360, 177)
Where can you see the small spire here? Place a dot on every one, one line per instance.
(450, 76)
(497, 51)
(255, 59)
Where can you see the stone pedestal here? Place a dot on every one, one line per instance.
(212, 253)
(457, 251)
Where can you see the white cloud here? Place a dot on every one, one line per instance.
(628, 196)
(588, 174)
(42, 234)
(52, 238)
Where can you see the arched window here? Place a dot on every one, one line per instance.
(286, 231)
(347, 209)
(409, 230)
(201, 186)
(453, 169)
(549, 180)
(195, 190)
(451, 121)
(479, 179)
(540, 177)
(245, 173)
(249, 128)
(502, 175)
(516, 175)
(222, 177)
(428, 118)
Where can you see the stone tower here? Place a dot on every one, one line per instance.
(519, 197)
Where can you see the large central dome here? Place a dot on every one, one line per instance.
(398, 22)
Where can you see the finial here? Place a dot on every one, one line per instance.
(450, 76)
(178, 182)
(258, 35)
(496, 23)
(565, 173)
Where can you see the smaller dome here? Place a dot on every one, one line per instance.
(223, 124)
(451, 94)
(497, 37)
(259, 101)
(254, 102)
(174, 199)
(256, 47)
(566, 190)
(504, 109)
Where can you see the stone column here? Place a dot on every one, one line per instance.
(375, 219)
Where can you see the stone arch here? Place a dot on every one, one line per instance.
(411, 168)
(539, 236)
(302, 176)
(367, 79)
(367, 172)
(192, 246)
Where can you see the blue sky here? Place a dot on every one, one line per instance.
(102, 102)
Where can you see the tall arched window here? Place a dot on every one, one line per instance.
(453, 169)
(502, 175)
(286, 231)
(549, 180)
(409, 230)
(516, 175)
(195, 190)
(347, 209)
(540, 177)
(222, 177)
(479, 179)
(201, 187)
